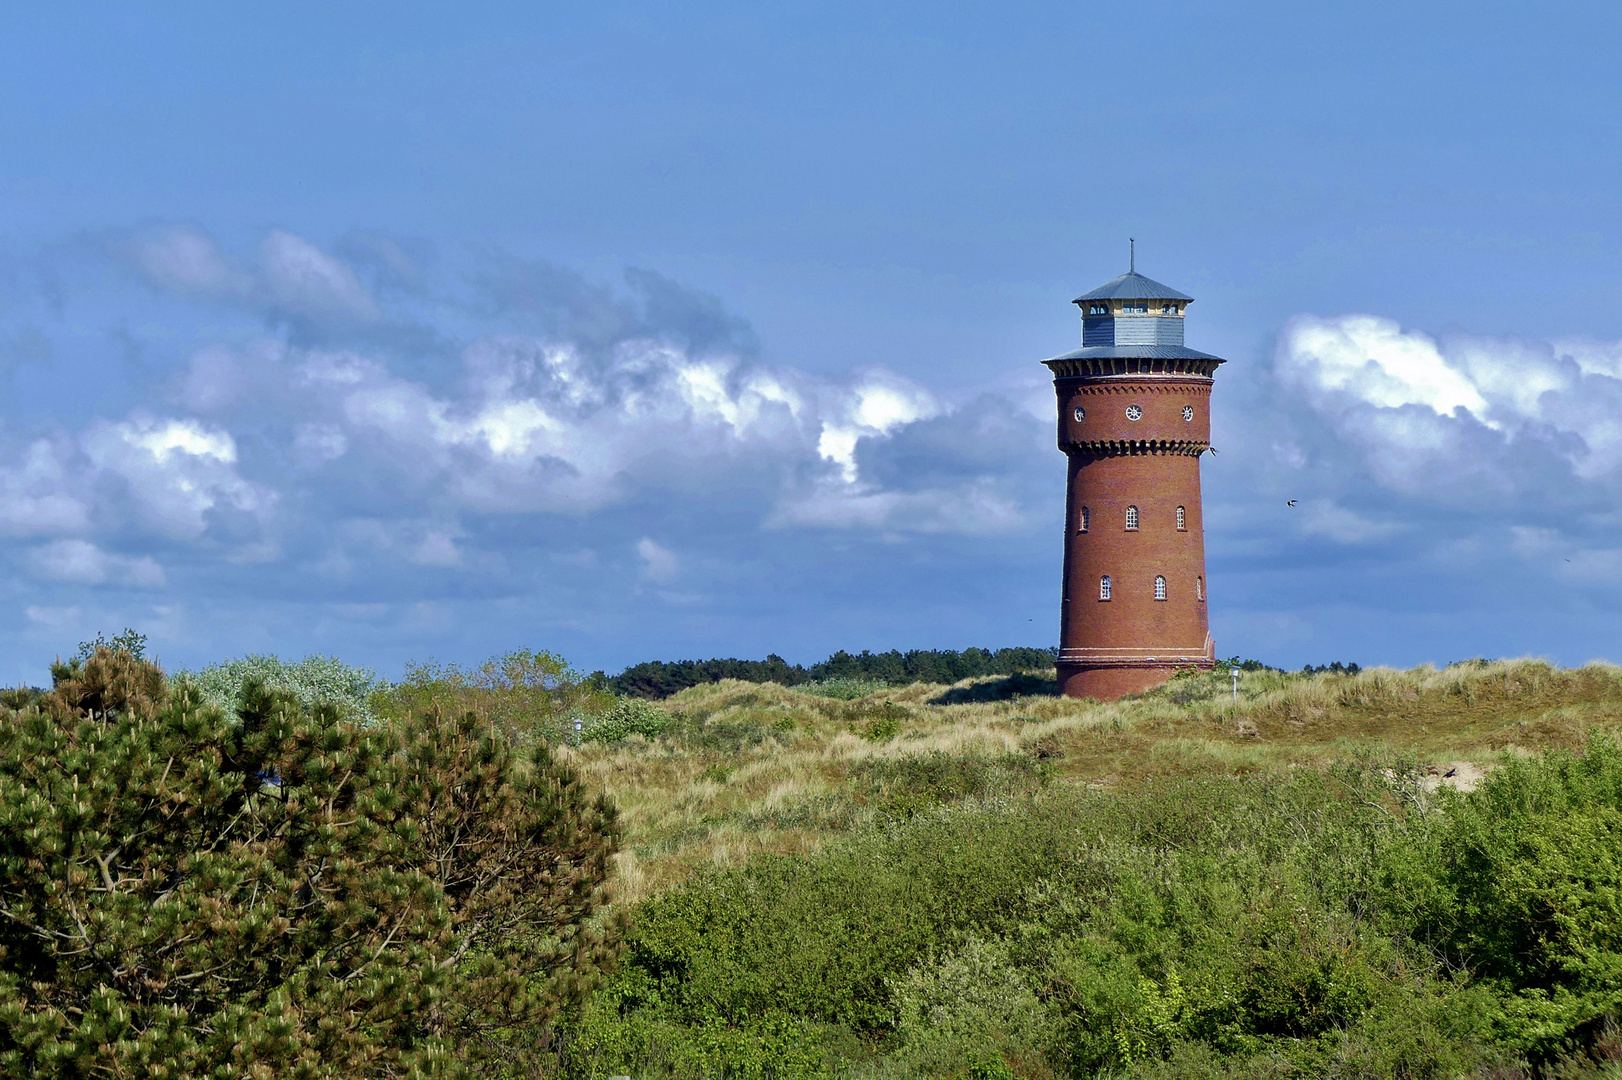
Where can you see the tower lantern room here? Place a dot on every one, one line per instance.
(1134, 421)
(1132, 310)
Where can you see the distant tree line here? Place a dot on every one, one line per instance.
(661, 678)
(1336, 668)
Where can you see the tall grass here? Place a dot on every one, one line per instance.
(747, 768)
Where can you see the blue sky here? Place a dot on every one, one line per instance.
(652, 331)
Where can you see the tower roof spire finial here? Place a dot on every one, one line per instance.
(1132, 255)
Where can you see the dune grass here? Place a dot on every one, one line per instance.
(749, 768)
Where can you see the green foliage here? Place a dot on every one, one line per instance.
(903, 786)
(283, 893)
(1234, 663)
(315, 680)
(530, 696)
(1076, 934)
(626, 717)
(1522, 882)
(838, 676)
(130, 641)
(843, 689)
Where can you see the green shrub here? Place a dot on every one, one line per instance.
(284, 893)
(1080, 933)
(845, 688)
(627, 716)
(315, 680)
(1522, 883)
(903, 786)
(532, 696)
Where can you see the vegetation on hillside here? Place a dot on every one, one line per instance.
(987, 880)
(279, 891)
(854, 875)
(660, 678)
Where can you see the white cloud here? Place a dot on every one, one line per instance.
(319, 443)
(1374, 360)
(175, 470)
(304, 279)
(878, 404)
(56, 619)
(35, 499)
(1403, 396)
(658, 563)
(1321, 517)
(184, 259)
(84, 563)
(437, 548)
(977, 509)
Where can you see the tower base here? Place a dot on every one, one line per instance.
(1118, 680)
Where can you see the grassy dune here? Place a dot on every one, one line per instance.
(753, 768)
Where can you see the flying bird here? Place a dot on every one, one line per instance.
(1290, 503)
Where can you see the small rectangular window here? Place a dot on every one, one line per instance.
(1182, 519)
(1131, 517)
(1103, 587)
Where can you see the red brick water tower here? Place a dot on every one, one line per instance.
(1134, 418)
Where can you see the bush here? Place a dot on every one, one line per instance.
(530, 696)
(660, 679)
(1522, 883)
(843, 689)
(315, 680)
(283, 892)
(1076, 934)
(627, 716)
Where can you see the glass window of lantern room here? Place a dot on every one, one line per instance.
(1132, 517)
(1182, 518)
(1160, 587)
(1103, 587)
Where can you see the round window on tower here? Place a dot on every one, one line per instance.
(1188, 412)
(1081, 414)
(1134, 413)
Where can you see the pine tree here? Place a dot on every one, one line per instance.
(279, 892)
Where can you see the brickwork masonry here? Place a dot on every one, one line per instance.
(1134, 447)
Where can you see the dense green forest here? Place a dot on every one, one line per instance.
(660, 678)
(512, 870)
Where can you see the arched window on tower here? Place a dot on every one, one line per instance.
(1132, 517)
(1199, 588)
(1182, 519)
(1160, 587)
(1103, 587)
(1086, 520)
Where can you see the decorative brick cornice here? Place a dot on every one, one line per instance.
(1136, 385)
(1111, 366)
(1137, 448)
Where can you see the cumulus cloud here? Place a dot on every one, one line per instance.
(658, 563)
(175, 471)
(304, 279)
(186, 260)
(82, 562)
(1459, 416)
(513, 437)
(293, 277)
(39, 497)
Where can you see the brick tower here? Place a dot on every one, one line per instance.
(1134, 418)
